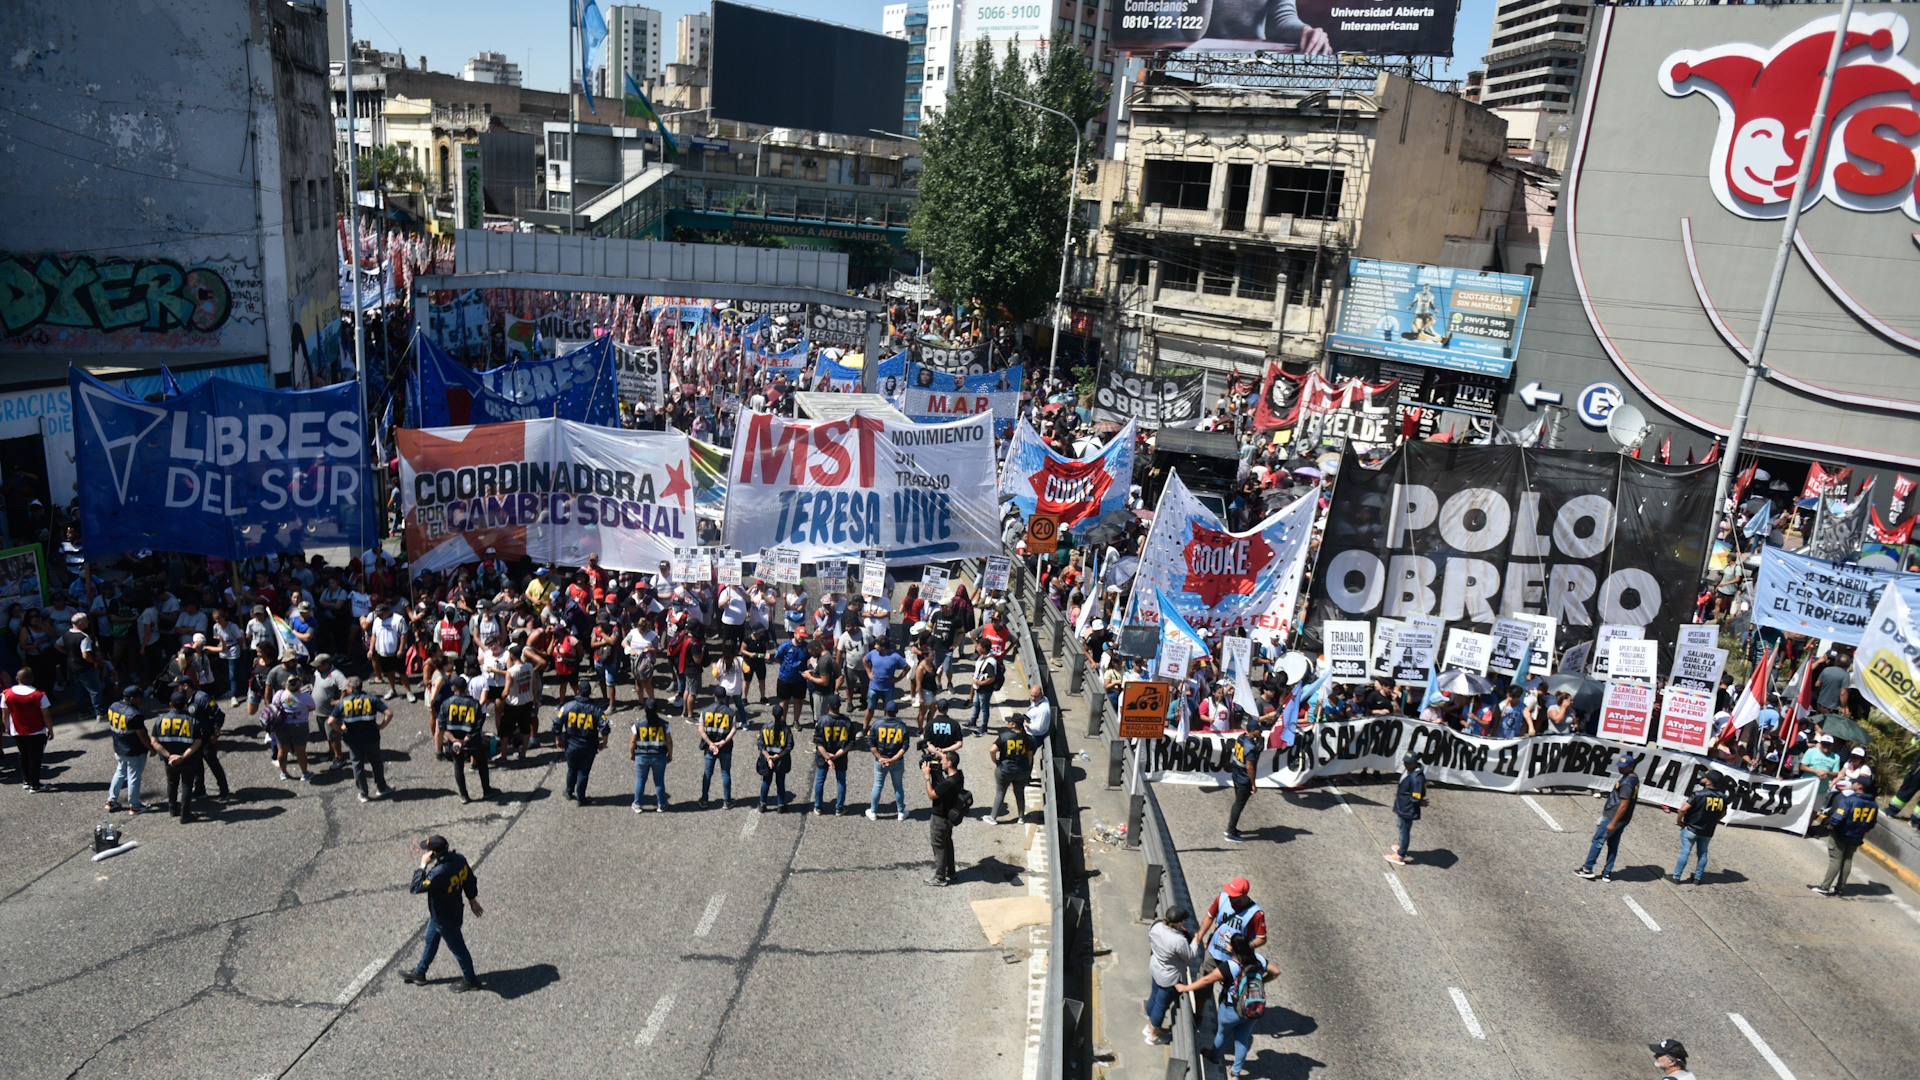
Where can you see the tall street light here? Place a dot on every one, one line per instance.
(1066, 244)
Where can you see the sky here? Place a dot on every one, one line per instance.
(533, 33)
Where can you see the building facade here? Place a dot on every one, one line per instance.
(941, 33)
(491, 67)
(632, 48)
(693, 40)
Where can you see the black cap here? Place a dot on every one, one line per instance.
(132, 691)
(1671, 1048)
(831, 702)
(438, 845)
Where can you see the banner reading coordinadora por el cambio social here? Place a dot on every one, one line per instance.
(832, 489)
(1077, 492)
(1515, 765)
(553, 490)
(579, 386)
(222, 469)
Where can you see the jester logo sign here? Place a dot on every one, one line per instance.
(1071, 490)
(1222, 564)
(1766, 99)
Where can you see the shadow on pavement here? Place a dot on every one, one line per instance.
(519, 982)
(991, 869)
(1282, 1066)
(244, 813)
(415, 794)
(1437, 857)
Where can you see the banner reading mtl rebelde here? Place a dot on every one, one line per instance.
(553, 490)
(1472, 533)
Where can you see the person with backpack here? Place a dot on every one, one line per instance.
(1232, 912)
(1245, 974)
(947, 790)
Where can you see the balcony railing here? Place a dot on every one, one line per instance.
(762, 197)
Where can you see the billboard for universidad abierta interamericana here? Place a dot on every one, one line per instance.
(1464, 320)
(1313, 27)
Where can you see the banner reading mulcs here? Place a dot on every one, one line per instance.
(1077, 492)
(831, 489)
(553, 490)
(1222, 579)
(578, 386)
(223, 469)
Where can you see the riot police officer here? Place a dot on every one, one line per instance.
(651, 749)
(581, 729)
(462, 723)
(359, 717)
(178, 736)
(202, 708)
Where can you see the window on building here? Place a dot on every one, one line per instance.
(556, 146)
(1180, 185)
(1216, 276)
(1258, 272)
(1181, 273)
(1303, 192)
(1299, 271)
(1133, 271)
(559, 200)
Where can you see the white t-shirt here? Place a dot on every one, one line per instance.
(230, 637)
(733, 606)
(640, 641)
(362, 603)
(386, 635)
(522, 689)
(732, 678)
(878, 614)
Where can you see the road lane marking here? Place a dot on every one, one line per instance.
(1634, 906)
(655, 1020)
(1400, 894)
(361, 980)
(1466, 1012)
(712, 913)
(1906, 907)
(1760, 1044)
(1542, 811)
(1340, 798)
(753, 822)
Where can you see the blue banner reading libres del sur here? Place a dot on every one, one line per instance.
(223, 469)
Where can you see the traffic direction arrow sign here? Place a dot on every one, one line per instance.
(1533, 395)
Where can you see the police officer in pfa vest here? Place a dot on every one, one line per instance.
(444, 876)
(888, 740)
(177, 735)
(1243, 759)
(1012, 756)
(651, 748)
(832, 742)
(462, 724)
(202, 708)
(718, 727)
(130, 747)
(1408, 802)
(581, 729)
(1699, 815)
(1848, 824)
(359, 718)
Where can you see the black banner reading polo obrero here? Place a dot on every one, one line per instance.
(1154, 400)
(1472, 533)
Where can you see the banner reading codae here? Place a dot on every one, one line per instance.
(831, 489)
(553, 490)
(1076, 491)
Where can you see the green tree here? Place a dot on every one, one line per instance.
(992, 204)
(388, 168)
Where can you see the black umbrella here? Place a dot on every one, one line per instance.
(1841, 726)
(1111, 529)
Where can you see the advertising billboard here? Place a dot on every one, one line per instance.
(1313, 27)
(1462, 320)
(1692, 126)
(1003, 21)
(784, 71)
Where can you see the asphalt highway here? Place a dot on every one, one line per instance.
(1488, 958)
(267, 939)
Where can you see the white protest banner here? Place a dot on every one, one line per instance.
(1575, 660)
(1175, 653)
(763, 566)
(1530, 763)
(685, 564)
(1634, 658)
(730, 568)
(637, 374)
(1803, 595)
(703, 564)
(553, 491)
(1511, 640)
(1700, 635)
(1222, 579)
(1347, 650)
(1236, 662)
(832, 575)
(933, 584)
(873, 577)
(1597, 664)
(1419, 643)
(921, 493)
(1544, 633)
(1886, 665)
(1386, 647)
(1686, 720)
(786, 565)
(1697, 668)
(993, 577)
(1626, 712)
(1468, 651)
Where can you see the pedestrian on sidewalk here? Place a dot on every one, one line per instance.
(1615, 815)
(444, 875)
(1408, 802)
(1242, 761)
(29, 719)
(1244, 973)
(1174, 954)
(1699, 816)
(1847, 828)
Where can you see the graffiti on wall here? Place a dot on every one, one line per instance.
(52, 300)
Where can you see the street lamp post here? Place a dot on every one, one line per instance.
(1066, 244)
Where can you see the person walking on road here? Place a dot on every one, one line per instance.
(1012, 756)
(29, 719)
(444, 876)
(1615, 815)
(1848, 824)
(888, 740)
(1408, 802)
(1670, 1057)
(359, 717)
(1243, 758)
(946, 789)
(1174, 954)
(580, 727)
(1699, 816)
(463, 723)
(651, 748)
(1245, 974)
(130, 748)
(1232, 912)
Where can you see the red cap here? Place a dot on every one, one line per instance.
(1238, 887)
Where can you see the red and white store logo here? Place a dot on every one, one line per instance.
(1868, 158)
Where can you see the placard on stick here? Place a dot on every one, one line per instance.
(1143, 709)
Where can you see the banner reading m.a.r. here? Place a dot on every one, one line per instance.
(223, 469)
(1469, 534)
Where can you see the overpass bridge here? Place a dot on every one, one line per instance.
(651, 204)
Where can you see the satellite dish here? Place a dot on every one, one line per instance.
(1626, 426)
(1295, 665)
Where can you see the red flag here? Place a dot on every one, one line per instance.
(1410, 424)
(1636, 452)
(1746, 477)
(1753, 696)
(1819, 480)
(1801, 690)
(1666, 450)
(1713, 453)
(1902, 487)
(1900, 535)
